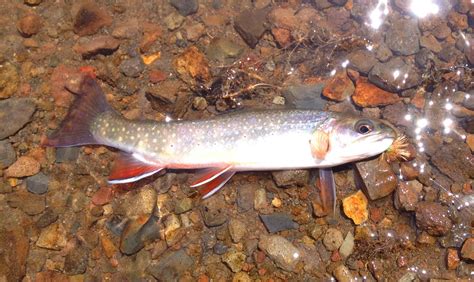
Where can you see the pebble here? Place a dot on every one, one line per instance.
(200, 103)
(37, 184)
(33, 2)
(246, 197)
(141, 203)
(221, 49)
(260, 200)
(9, 83)
(213, 211)
(281, 251)
(237, 230)
(470, 141)
(137, 232)
(100, 44)
(29, 203)
(89, 18)
(457, 21)
(452, 259)
(29, 24)
(408, 195)
(287, 178)
(67, 154)
(368, 95)
(339, 87)
(126, 30)
(433, 218)
(383, 53)
(379, 180)
(170, 266)
(241, 277)
(14, 114)
(305, 96)
(347, 247)
(52, 237)
(194, 31)
(7, 154)
(185, 7)
(220, 248)
(48, 217)
(362, 60)
(402, 37)
(76, 260)
(431, 43)
(183, 205)
(192, 65)
(343, 274)
(454, 160)
(23, 166)
(382, 75)
(277, 222)
(132, 67)
(173, 21)
(251, 25)
(102, 196)
(235, 260)
(333, 239)
(14, 244)
(467, 250)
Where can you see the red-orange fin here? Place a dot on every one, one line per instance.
(208, 174)
(210, 188)
(327, 188)
(132, 167)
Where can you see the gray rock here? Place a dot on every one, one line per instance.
(30, 203)
(76, 260)
(132, 67)
(251, 24)
(403, 37)
(449, 54)
(185, 7)
(281, 251)
(277, 222)
(455, 160)
(423, 58)
(48, 217)
(245, 197)
(383, 53)
(433, 218)
(64, 155)
(183, 205)
(333, 239)
(305, 96)
(14, 114)
(376, 177)
(322, 4)
(7, 154)
(382, 75)
(362, 60)
(37, 184)
(220, 248)
(347, 247)
(214, 211)
(338, 2)
(468, 103)
(171, 266)
(137, 232)
(285, 178)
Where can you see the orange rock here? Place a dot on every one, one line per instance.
(452, 259)
(339, 87)
(24, 166)
(419, 99)
(192, 64)
(368, 95)
(470, 141)
(151, 33)
(157, 76)
(282, 36)
(355, 207)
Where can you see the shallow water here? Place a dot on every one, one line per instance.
(408, 62)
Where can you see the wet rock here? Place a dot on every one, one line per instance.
(102, 196)
(64, 155)
(23, 166)
(137, 232)
(343, 274)
(441, 31)
(282, 37)
(126, 30)
(457, 21)
(280, 250)
(173, 21)
(433, 218)
(403, 37)
(339, 87)
(283, 17)
(454, 160)
(214, 211)
(101, 44)
(467, 250)
(140, 203)
(223, 48)
(470, 141)
(408, 194)
(237, 230)
(469, 52)
(14, 244)
(378, 179)
(305, 96)
(251, 24)
(89, 18)
(33, 2)
(362, 60)
(132, 67)
(76, 260)
(333, 239)
(171, 266)
(277, 222)
(452, 259)
(347, 247)
(48, 217)
(192, 65)
(260, 202)
(29, 203)
(245, 197)
(29, 24)
(355, 207)
(194, 32)
(286, 178)
(7, 154)
(423, 58)
(199, 103)
(185, 7)
(183, 205)
(449, 54)
(52, 237)
(468, 125)
(235, 260)
(171, 223)
(383, 53)
(368, 95)
(392, 114)
(37, 184)
(394, 75)
(430, 42)
(220, 248)
(241, 277)
(9, 82)
(14, 114)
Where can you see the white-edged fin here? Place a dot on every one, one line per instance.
(210, 188)
(327, 188)
(132, 167)
(208, 174)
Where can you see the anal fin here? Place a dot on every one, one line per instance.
(209, 174)
(132, 167)
(209, 188)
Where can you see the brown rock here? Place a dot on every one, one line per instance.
(24, 166)
(452, 259)
(195, 31)
(368, 95)
(377, 178)
(127, 29)
(431, 43)
(29, 203)
(470, 141)
(282, 36)
(151, 33)
(102, 44)
(284, 18)
(408, 195)
(457, 21)
(30, 24)
(469, 51)
(355, 207)
(419, 100)
(59, 78)
(156, 76)
(102, 196)
(89, 18)
(409, 171)
(467, 250)
(433, 218)
(14, 245)
(52, 237)
(339, 87)
(192, 65)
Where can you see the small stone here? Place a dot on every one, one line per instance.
(64, 155)
(30, 24)
(76, 260)
(279, 100)
(223, 48)
(33, 2)
(283, 17)
(183, 205)
(383, 53)
(282, 37)
(430, 42)
(235, 260)
(14, 244)
(89, 18)
(102, 196)
(194, 32)
(173, 21)
(281, 251)
(126, 30)
(24, 166)
(276, 202)
(368, 95)
(403, 37)
(442, 31)
(286, 178)
(241, 277)
(277, 222)
(362, 60)
(7, 154)
(37, 184)
(220, 248)
(245, 197)
(192, 65)
(213, 211)
(433, 218)
(347, 246)
(452, 259)
(30, 203)
(237, 230)
(260, 200)
(9, 82)
(14, 114)
(355, 207)
(470, 141)
(199, 103)
(457, 21)
(101, 44)
(137, 232)
(339, 87)
(132, 67)
(141, 203)
(48, 217)
(171, 266)
(379, 180)
(333, 239)
(185, 7)
(467, 250)
(408, 194)
(305, 96)
(250, 25)
(343, 274)
(454, 160)
(52, 237)
(395, 75)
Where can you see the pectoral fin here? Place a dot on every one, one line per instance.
(327, 188)
(132, 167)
(319, 143)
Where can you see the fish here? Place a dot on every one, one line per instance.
(218, 147)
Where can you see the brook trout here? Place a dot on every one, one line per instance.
(220, 146)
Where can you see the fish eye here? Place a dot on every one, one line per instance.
(364, 126)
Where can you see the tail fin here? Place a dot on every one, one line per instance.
(75, 128)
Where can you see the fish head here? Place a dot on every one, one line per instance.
(357, 138)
